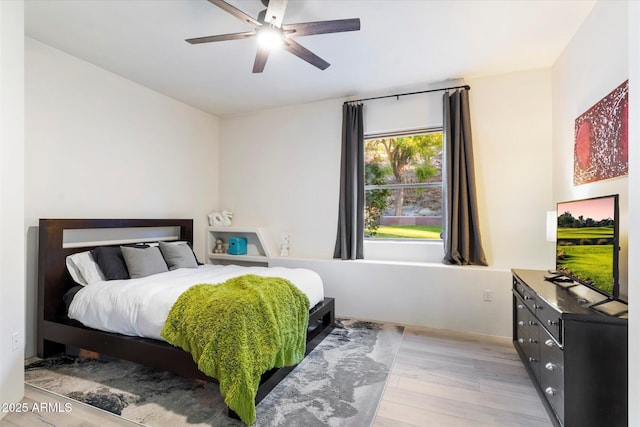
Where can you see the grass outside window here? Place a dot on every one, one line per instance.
(430, 232)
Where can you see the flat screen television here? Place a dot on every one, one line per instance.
(587, 243)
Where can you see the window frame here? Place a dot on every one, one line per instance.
(440, 184)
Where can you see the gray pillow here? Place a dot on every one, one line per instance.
(143, 262)
(178, 255)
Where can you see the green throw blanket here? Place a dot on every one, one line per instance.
(238, 330)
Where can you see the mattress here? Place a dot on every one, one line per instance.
(139, 307)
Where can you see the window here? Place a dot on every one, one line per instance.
(403, 185)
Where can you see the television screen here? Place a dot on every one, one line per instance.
(587, 242)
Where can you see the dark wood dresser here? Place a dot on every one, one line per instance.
(573, 343)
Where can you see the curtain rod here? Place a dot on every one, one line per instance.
(398, 95)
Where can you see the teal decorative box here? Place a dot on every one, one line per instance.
(237, 245)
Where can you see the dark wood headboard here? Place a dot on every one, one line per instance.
(53, 277)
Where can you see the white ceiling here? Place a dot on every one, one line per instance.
(402, 43)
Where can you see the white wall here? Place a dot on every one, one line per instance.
(280, 171)
(511, 116)
(418, 111)
(593, 64)
(12, 229)
(100, 146)
(433, 295)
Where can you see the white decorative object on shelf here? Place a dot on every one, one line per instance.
(284, 244)
(220, 219)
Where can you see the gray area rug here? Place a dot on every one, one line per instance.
(338, 384)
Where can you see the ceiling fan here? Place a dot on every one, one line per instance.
(268, 28)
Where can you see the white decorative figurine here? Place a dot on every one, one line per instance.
(220, 219)
(284, 244)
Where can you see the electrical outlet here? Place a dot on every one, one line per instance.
(487, 295)
(15, 341)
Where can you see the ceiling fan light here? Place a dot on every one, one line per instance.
(269, 37)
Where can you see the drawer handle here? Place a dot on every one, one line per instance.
(537, 307)
(521, 323)
(526, 297)
(551, 322)
(533, 322)
(549, 343)
(520, 306)
(550, 366)
(532, 359)
(532, 341)
(550, 391)
(521, 340)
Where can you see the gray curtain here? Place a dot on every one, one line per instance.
(461, 232)
(349, 242)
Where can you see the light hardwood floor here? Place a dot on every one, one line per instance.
(439, 378)
(445, 378)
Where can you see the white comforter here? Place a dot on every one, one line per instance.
(139, 307)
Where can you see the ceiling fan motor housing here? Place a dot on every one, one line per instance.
(280, 34)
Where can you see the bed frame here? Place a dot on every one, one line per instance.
(57, 333)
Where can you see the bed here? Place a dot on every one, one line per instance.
(57, 333)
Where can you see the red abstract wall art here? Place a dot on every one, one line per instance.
(601, 139)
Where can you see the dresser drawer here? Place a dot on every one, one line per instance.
(527, 336)
(551, 354)
(555, 396)
(549, 318)
(522, 314)
(526, 294)
(552, 372)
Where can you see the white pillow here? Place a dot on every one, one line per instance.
(83, 268)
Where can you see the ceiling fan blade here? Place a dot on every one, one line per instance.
(221, 37)
(304, 53)
(275, 12)
(321, 27)
(235, 12)
(261, 59)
